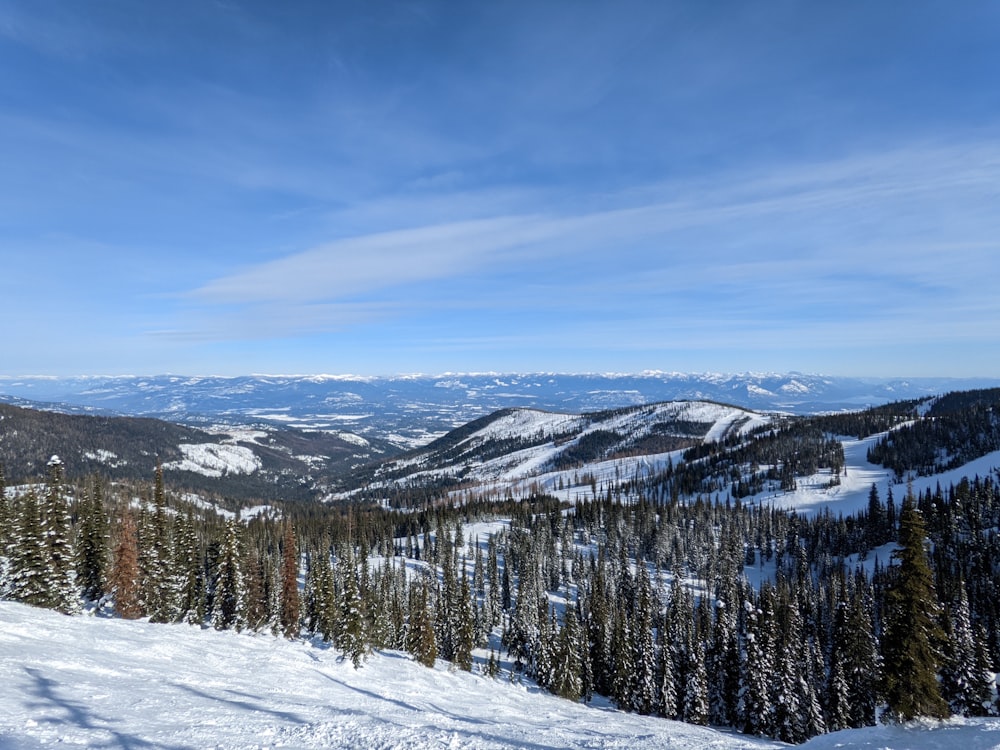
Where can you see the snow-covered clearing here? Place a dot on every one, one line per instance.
(215, 459)
(813, 493)
(98, 682)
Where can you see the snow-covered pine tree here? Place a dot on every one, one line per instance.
(759, 664)
(64, 595)
(964, 682)
(464, 627)
(188, 572)
(289, 617)
(159, 584)
(567, 668)
(6, 538)
(92, 540)
(420, 624)
(644, 698)
(353, 638)
(695, 699)
(229, 602)
(911, 635)
(30, 579)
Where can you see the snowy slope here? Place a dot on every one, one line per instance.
(111, 683)
(523, 444)
(851, 495)
(95, 682)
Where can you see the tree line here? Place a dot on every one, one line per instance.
(646, 602)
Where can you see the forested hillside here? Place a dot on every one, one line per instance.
(246, 462)
(672, 597)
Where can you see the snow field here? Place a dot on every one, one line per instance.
(111, 683)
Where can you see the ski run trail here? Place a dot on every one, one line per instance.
(95, 682)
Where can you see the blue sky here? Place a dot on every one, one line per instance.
(375, 188)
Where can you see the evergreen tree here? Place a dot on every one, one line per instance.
(30, 581)
(420, 625)
(92, 540)
(912, 635)
(159, 585)
(289, 601)
(465, 624)
(567, 677)
(353, 639)
(6, 538)
(63, 593)
(188, 570)
(965, 684)
(124, 578)
(229, 601)
(644, 698)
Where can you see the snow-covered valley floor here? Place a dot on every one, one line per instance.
(95, 682)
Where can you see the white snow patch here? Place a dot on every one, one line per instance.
(215, 459)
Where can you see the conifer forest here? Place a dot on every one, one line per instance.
(672, 595)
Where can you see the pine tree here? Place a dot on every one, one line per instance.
(353, 639)
(6, 538)
(420, 625)
(159, 584)
(567, 678)
(909, 645)
(229, 602)
(696, 685)
(124, 578)
(759, 666)
(465, 624)
(30, 581)
(189, 572)
(644, 699)
(964, 682)
(289, 602)
(63, 593)
(92, 542)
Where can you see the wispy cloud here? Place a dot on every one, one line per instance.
(805, 233)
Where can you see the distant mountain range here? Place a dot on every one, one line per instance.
(410, 411)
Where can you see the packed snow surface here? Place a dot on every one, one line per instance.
(97, 682)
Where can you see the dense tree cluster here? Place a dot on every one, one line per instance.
(944, 440)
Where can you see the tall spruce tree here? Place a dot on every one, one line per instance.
(289, 616)
(229, 602)
(92, 540)
(912, 637)
(29, 559)
(63, 593)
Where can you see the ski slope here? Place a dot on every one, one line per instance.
(813, 493)
(95, 682)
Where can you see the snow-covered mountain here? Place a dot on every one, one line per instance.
(412, 410)
(96, 682)
(516, 445)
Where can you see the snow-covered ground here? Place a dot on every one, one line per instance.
(851, 495)
(96, 682)
(215, 459)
